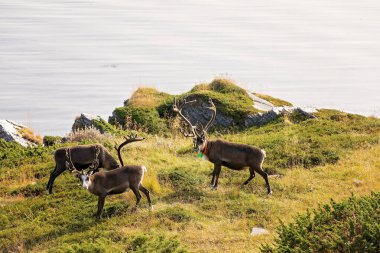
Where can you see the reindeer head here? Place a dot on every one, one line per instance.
(198, 132)
(83, 177)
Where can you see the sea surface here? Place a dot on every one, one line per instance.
(59, 58)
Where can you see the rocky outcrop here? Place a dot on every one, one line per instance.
(259, 119)
(259, 103)
(198, 113)
(12, 131)
(85, 121)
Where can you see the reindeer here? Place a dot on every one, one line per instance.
(116, 181)
(80, 158)
(222, 153)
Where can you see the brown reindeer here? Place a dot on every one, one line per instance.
(116, 181)
(79, 158)
(222, 153)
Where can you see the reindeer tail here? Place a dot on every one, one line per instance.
(264, 153)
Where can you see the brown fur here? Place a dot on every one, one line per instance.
(222, 153)
(234, 156)
(116, 182)
(82, 157)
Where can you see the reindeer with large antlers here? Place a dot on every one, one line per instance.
(116, 181)
(222, 153)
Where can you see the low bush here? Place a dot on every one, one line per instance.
(352, 225)
(51, 140)
(90, 134)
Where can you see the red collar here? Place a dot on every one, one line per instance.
(205, 149)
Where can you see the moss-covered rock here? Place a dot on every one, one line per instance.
(85, 121)
(151, 110)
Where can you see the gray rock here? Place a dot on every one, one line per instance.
(86, 121)
(263, 118)
(259, 119)
(11, 131)
(259, 103)
(201, 115)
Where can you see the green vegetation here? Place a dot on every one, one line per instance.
(144, 119)
(150, 110)
(104, 126)
(273, 100)
(340, 151)
(230, 99)
(51, 140)
(352, 225)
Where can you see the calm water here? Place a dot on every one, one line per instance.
(60, 58)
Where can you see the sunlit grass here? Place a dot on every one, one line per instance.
(187, 213)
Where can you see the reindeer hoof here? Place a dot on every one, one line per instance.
(215, 188)
(270, 192)
(151, 208)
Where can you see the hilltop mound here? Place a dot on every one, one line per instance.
(151, 110)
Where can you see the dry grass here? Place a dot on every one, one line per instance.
(29, 135)
(88, 134)
(147, 97)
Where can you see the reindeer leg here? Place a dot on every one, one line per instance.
(265, 176)
(146, 192)
(138, 197)
(213, 177)
(101, 201)
(251, 176)
(55, 173)
(51, 175)
(217, 168)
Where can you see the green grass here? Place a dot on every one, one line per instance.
(314, 160)
(273, 100)
(151, 111)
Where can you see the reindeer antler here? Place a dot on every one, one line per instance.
(213, 108)
(131, 138)
(177, 107)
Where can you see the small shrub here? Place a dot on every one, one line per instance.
(141, 119)
(176, 214)
(51, 140)
(88, 134)
(161, 244)
(352, 225)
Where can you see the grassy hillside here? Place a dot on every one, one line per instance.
(151, 111)
(312, 161)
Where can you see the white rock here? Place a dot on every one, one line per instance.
(259, 231)
(10, 131)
